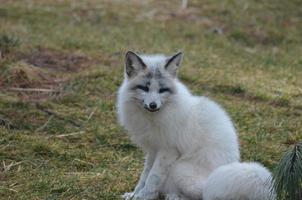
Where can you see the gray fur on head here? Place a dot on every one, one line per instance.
(133, 64)
(173, 63)
(151, 79)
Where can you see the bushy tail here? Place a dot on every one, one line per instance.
(239, 181)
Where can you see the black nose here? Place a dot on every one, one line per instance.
(152, 105)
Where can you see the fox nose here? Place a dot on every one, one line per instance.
(153, 105)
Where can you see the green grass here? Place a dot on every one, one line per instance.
(66, 143)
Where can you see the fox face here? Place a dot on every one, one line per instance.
(151, 79)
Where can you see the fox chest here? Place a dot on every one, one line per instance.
(157, 134)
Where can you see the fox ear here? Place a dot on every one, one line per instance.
(133, 64)
(173, 63)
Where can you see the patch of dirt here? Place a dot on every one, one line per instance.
(23, 75)
(6, 1)
(30, 83)
(166, 14)
(41, 74)
(58, 61)
(240, 92)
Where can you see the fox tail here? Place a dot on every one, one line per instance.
(239, 181)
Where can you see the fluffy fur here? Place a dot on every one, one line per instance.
(238, 181)
(185, 137)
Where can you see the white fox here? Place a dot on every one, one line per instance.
(191, 145)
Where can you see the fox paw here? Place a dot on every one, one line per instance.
(128, 195)
(174, 197)
(142, 195)
(145, 195)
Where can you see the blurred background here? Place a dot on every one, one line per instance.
(61, 63)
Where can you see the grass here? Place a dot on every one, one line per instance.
(64, 143)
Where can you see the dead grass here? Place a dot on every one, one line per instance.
(42, 73)
(58, 61)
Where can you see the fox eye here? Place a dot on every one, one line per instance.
(144, 88)
(162, 90)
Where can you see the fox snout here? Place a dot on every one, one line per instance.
(152, 106)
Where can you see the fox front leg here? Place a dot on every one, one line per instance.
(157, 175)
(147, 167)
(150, 157)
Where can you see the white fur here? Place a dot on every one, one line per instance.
(184, 143)
(154, 60)
(237, 181)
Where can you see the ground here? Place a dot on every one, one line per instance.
(62, 62)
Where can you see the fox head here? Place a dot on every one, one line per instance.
(151, 79)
